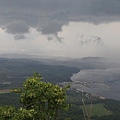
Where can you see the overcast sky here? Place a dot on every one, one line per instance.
(69, 28)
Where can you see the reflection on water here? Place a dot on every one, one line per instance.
(105, 82)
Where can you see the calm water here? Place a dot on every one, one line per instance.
(105, 82)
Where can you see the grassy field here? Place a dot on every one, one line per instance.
(4, 91)
(97, 109)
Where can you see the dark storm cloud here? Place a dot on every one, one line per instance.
(51, 27)
(17, 27)
(49, 16)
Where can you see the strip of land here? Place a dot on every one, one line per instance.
(4, 91)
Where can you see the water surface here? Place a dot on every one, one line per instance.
(105, 82)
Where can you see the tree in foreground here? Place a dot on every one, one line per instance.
(41, 100)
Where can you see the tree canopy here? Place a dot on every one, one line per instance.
(40, 101)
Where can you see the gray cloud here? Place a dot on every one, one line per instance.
(17, 27)
(60, 39)
(19, 37)
(87, 40)
(49, 38)
(51, 27)
(48, 16)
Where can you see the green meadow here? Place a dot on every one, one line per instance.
(96, 109)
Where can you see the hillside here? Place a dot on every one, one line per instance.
(14, 71)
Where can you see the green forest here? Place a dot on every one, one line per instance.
(40, 100)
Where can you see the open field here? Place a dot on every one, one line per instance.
(97, 109)
(4, 91)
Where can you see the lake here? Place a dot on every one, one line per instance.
(105, 82)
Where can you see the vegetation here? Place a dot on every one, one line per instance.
(10, 99)
(114, 107)
(97, 109)
(13, 72)
(16, 71)
(100, 108)
(40, 100)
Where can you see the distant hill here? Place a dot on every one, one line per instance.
(13, 72)
(81, 63)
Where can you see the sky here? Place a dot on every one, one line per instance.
(66, 28)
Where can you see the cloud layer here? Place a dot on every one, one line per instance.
(17, 27)
(48, 16)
